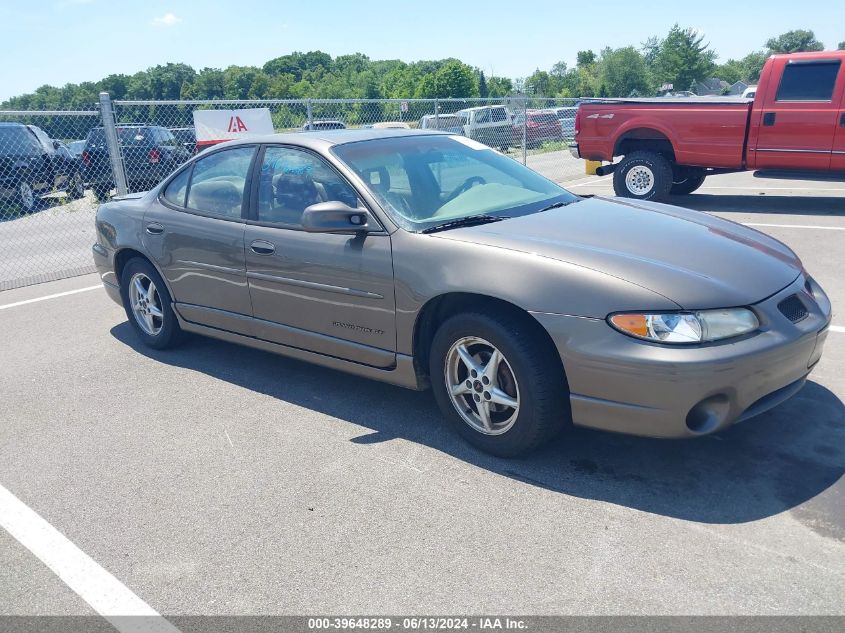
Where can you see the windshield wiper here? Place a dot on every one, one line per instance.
(554, 205)
(470, 220)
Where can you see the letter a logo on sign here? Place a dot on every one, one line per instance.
(236, 125)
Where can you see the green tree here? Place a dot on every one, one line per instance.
(683, 58)
(209, 84)
(499, 87)
(623, 71)
(453, 79)
(585, 58)
(841, 46)
(483, 90)
(796, 41)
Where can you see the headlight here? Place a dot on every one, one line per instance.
(686, 327)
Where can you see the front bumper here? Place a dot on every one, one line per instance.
(573, 149)
(618, 383)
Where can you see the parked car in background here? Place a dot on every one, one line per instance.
(76, 148)
(794, 127)
(187, 137)
(150, 153)
(326, 124)
(444, 122)
(391, 125)
(540, 126)
(566, 116)
(491, 125)
(32, 165)
(424, 260)
(750, 92)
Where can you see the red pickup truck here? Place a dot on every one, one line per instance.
(794, 125)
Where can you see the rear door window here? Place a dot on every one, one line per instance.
(808, 81)
(218, 182)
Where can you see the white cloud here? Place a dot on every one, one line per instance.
(168, 19)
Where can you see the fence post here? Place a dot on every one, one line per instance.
(110, 131)
(436, 114)
(310, 113)
(525, 132)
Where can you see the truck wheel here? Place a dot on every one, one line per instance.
(643, 175)
(76, 187)
(687, 183)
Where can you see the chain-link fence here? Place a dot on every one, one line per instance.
(55, 166)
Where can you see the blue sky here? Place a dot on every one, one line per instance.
(61, 41)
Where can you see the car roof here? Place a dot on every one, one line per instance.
(480, 108)
(322, 139)
(11, 124)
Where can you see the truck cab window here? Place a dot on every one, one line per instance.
(808, 81)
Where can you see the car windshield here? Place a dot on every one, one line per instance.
(424, 181)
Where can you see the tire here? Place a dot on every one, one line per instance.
(643, 175)
(529, 374)
(102, 192)
(76, 187)
(160, 331)
(687, 183)
(25, 197)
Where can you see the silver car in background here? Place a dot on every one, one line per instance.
(426, 259)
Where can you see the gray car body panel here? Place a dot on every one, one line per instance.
(353, 301)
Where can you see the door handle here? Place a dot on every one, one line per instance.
(262, 247)
(769, 118)
(154, 228)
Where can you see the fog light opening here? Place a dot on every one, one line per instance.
(708, 415)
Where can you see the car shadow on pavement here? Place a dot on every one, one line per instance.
(787, 205)
(757, 469)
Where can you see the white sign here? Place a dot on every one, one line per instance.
(665, 87)
(216, 126)
(404, 106)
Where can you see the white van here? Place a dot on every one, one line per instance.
(491, 125)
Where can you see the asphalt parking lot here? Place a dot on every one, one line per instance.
(214, 479)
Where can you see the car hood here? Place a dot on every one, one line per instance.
(696, 260)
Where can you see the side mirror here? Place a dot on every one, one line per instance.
(336, 217)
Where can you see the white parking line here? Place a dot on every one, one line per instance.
(837, 328)
(105, 593)
(45, 298)
(797, 226)
(586, 183)
(752, 188)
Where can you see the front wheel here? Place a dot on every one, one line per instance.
(643, 175)
(26, 197)
(499, 385)
(148, 305)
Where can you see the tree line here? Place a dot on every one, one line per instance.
(681, 58)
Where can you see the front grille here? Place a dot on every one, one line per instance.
(793, 308)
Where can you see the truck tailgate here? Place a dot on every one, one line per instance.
(703, 132)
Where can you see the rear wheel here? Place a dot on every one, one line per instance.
(148, 305)
(497, 383)
(643, 175)
(102, 192)
(76, 187)
(687, 182)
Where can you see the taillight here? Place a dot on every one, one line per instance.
(577, 120)
(155, 155)
(86, 158)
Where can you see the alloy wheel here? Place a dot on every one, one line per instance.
(27, 196)
(482, 385)
(146, 304)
